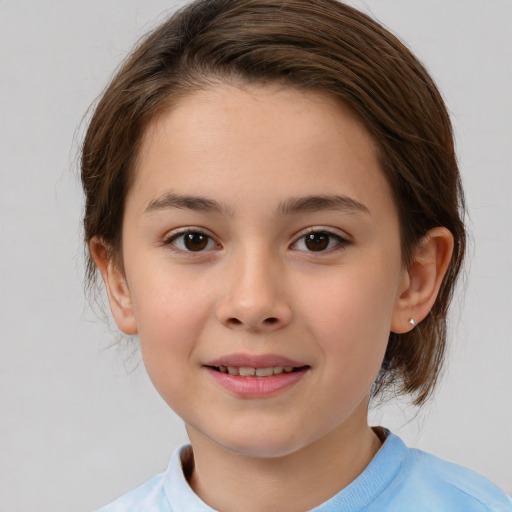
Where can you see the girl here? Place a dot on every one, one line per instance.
(273, 202)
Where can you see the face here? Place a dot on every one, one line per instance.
(262, 261)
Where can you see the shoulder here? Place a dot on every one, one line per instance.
(167, 492)
(438, 485)
(467, 484)
(149, 497)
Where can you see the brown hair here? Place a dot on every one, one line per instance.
(320, 44)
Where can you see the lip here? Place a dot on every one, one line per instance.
(255, 361)
(256, 387)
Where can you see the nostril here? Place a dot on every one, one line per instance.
(268, 321)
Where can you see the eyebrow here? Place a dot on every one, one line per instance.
(315, 203)
(184, 202)
(290, 206)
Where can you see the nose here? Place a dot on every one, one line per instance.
(254, 294)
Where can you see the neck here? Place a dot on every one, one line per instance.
(229, 481)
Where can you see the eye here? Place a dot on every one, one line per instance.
(319, 241)
(191, 241)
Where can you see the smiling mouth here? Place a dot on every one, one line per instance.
(247, 371)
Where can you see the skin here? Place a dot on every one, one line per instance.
(256, 287)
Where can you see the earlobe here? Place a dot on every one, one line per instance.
(118, 293)
(423, 279)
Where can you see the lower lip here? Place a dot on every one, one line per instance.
(257, 387)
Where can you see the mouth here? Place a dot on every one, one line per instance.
(248, 371)
(250, 376)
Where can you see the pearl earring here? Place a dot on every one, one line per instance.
(412, 322)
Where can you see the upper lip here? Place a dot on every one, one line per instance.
(254, 361)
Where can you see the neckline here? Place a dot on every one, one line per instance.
(370, 484)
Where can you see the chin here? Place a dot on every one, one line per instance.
(260, 442)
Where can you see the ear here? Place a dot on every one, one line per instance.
(422, 280)
(119, 296)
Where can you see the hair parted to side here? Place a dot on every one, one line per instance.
(323, 45)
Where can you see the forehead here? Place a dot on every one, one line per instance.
(262, 142)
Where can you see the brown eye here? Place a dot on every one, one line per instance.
(191, 241)
(195, 241)
(317, 241)
(320, 241)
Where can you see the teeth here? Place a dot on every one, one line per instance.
(263, 372)
(246, 371)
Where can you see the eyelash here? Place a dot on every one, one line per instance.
(340, 244)
(170, 241)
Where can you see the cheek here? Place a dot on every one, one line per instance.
(168, 306)
(351, 316)
(170, 316)
(352, 303)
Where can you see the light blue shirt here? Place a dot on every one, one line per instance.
(398, 479)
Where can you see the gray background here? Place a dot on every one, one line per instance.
(79, 423)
